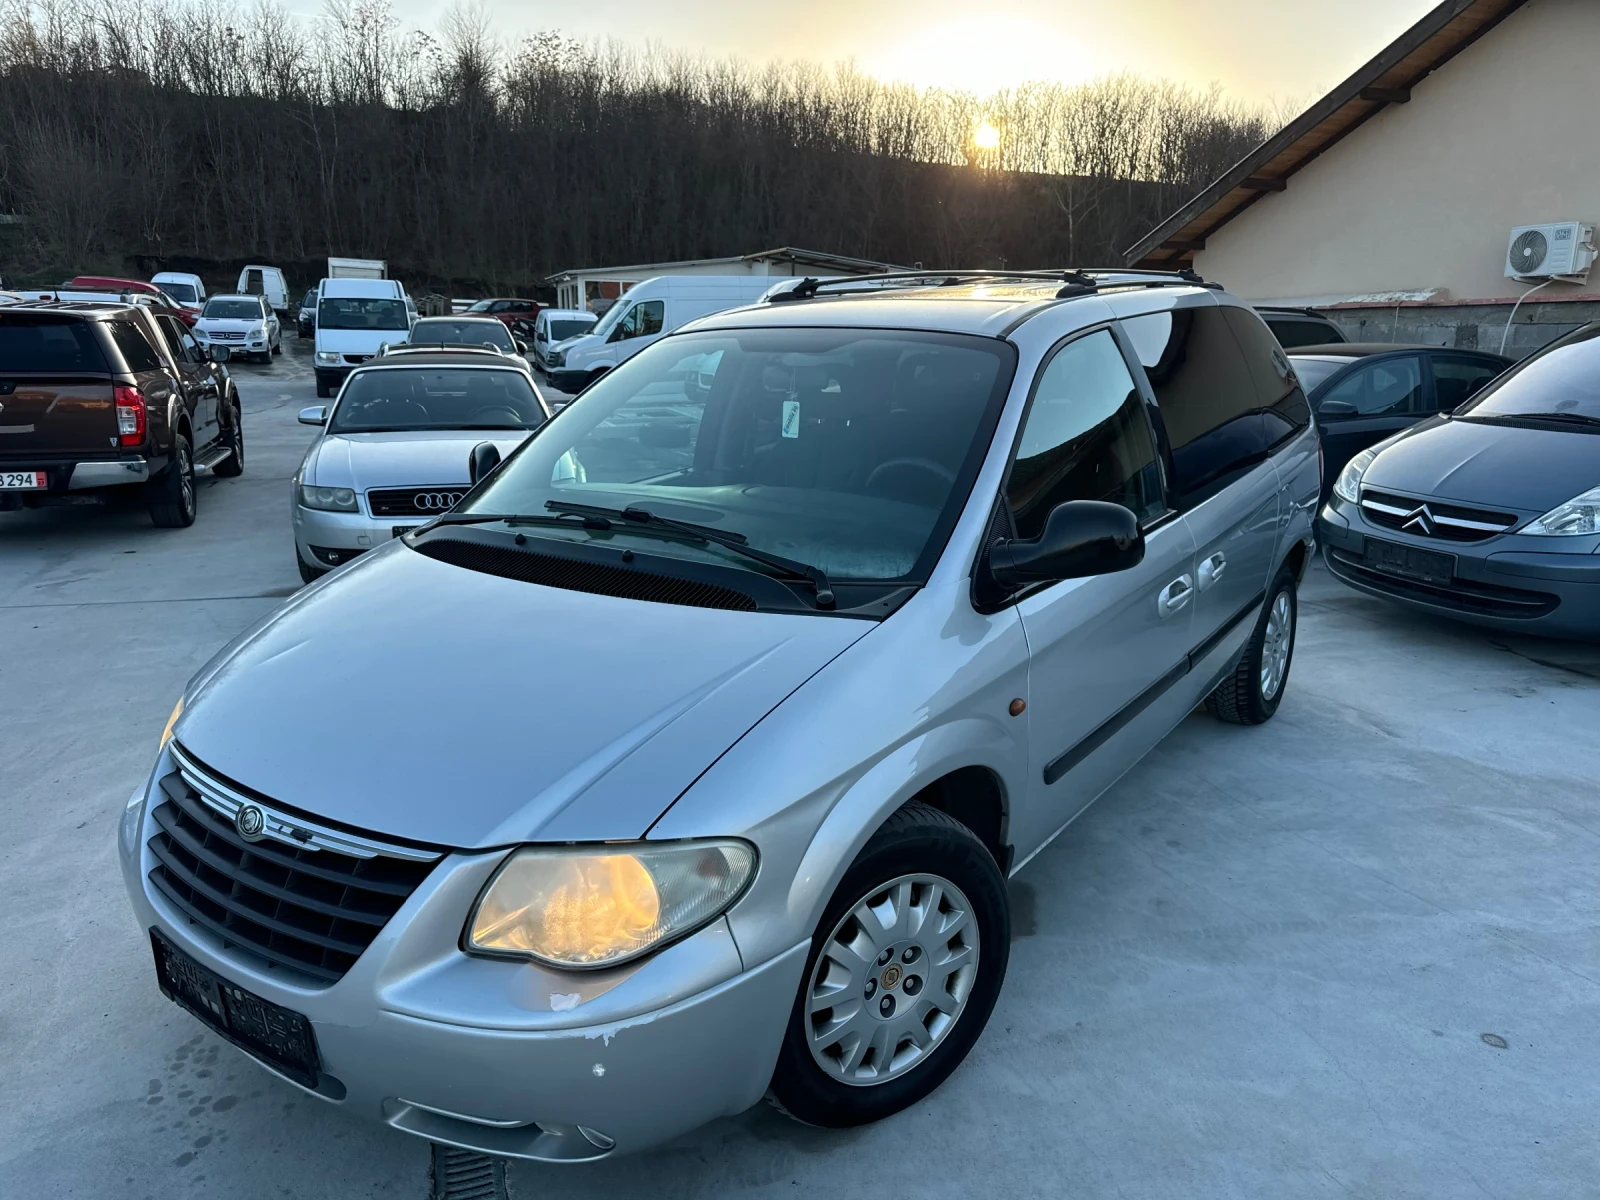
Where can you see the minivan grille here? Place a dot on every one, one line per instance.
(310, 909)
(414, 501)
(1450, 522)
(598, 578)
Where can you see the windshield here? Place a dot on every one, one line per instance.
(442, 329)
(362, 312)
(481, 306)
(849, 449)
(612, 316)
(1563, 379)
(560, 331)
(1314, 369)
(310, 300)
(184, 293)
(392, 398)
(233, 310)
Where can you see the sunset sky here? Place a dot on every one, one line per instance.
(1258, 50)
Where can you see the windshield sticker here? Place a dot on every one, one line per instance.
(791, 418)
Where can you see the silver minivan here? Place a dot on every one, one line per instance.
(685, 761)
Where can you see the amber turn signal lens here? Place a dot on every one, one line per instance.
(166, 734)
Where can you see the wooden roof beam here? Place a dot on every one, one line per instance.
(1386, 95)
(1260, 183)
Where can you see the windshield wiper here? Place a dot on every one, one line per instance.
(736, 542)
(472, 518)
(1560, 417)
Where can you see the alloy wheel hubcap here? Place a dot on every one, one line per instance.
(893, 978)
(186, 479)
(1275, 646)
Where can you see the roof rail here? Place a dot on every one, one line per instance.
(1075, 282)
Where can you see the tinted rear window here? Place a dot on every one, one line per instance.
(48, 343)
(1284, 409)
(1292, 332)
(136, 350)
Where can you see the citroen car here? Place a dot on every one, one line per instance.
(1490, 513)
(749, 678)
(395, 447)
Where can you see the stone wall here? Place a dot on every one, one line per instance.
(1472, 326)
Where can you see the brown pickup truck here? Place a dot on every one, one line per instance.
(101, 395)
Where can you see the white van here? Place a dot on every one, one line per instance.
(354, 318)
(647, 311)
(256, 280)
(186, 290)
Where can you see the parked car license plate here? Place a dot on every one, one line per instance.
(1425, 566)
(23, 480)
(278, 1036)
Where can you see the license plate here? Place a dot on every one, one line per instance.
(1425, 566)
(278, 1036)
(22, 480)
(398, 530)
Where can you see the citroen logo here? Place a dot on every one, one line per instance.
(1419, 519)
(251, 822)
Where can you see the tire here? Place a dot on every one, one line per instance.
(308, 574)
(323, 390)
(1250, 695)
(234, 464)
(170, 496)
(277, 347)
(917, 850)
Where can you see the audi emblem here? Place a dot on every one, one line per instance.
(436, 501)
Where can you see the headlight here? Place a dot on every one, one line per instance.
(259, 331)
(166, 734)
(1577, 516)
(603, 905)
(201, 335)
(328, 358)
(328, 499)
(1348, 486)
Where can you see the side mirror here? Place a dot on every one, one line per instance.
(317, 414)
(485, 457)
(522, 346)
(1080, 538)
(1334, 410)
(219, 353)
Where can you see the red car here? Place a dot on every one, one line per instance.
(159, 300)
(517, 314)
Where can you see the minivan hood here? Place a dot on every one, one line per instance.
(1490, 466)
(424, 701)
(404, 458)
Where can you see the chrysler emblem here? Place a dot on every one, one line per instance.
(1419, 520)
(250, 822)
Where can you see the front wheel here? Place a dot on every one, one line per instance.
(308, 573)
(904, 970)
(1252, 693)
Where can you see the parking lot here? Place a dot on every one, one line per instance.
(1350, 952)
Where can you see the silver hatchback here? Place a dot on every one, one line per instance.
(730, 699)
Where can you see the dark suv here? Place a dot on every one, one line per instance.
(95, 396)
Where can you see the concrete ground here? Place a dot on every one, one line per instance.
(1354, 952)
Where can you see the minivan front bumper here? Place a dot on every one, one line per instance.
(1510, 582)
(509, 1058)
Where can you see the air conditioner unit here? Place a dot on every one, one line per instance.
(1564, 250)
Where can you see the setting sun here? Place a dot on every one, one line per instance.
(986, 136)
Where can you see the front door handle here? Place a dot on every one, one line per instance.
(1175, 595)
(1211, 570)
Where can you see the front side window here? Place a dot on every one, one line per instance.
(362, 312)
(1392, 387)
(852, 450)
(642, 320)
(1206, 395)
(476, 333)
(395, 398)
(1086, 437)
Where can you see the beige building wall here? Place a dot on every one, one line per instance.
(1424, 195)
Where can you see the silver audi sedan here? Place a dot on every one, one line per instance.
(684, 761)
(395, 447)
